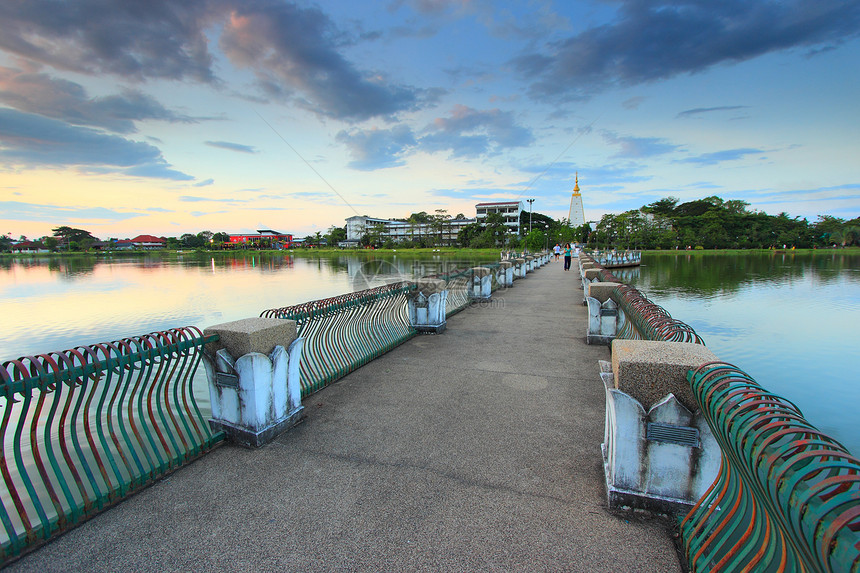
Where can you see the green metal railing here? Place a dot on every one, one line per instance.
(83, 428)
(345, 332)
(644, 320)
(787, 497)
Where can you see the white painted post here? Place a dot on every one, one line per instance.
(505, 274)
(482, 284)
(658, 450)
(427, 306)
(253, 372)
(520, 268)
(602, 313)
(530, 264)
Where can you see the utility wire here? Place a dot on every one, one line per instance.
(307, 163)
(554, 161)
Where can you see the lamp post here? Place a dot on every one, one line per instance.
(530, 214)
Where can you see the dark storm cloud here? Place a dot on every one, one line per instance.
(35, 141)
(466, 132)
(153, 39)
(653, 40)
(42, 94)
(231, 146)
(293, 50)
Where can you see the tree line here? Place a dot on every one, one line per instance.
(712, 223)
(709, 223)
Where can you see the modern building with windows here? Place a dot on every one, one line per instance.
(510, 210)
(400, 231)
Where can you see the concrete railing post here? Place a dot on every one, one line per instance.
(427, 306)
(589, 275)
(519, 268)
(505, 276)
(482, 284)
(658, 451)
(530, 263)
(602, 314)
(253, 372)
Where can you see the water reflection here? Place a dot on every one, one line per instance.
(53, 303)
(710, 273)
(789, 320)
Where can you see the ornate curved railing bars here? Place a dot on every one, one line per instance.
(616, 258)
(643, 319)
(83, 428)
(345, 332)
(787, 497)
(649, 321)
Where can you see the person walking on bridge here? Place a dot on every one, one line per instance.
(567, 250)
(556, 250)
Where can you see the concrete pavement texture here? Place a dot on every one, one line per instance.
(474, 450)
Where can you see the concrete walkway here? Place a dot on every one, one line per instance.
(474, 450)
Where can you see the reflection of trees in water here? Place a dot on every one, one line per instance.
(67, 268)
(706, 273)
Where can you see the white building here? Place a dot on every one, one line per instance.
(577, 213)
(510, 210)
(400, 231)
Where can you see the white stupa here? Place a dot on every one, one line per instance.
(577, 214)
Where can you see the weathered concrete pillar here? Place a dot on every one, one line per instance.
(588, 276)
(658, 450)
(482, 284)
(530, 263)
(427, 306)
(505, 275)
(519, 268)
(603, 320)
(253, 372)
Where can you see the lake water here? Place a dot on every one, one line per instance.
(790, 321)
(51, 304)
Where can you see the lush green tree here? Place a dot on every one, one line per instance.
(468, 234)
(191, 241)
(335, 235)
(421, 217)
(373, 236)
(5, 243)
(662, 207)
(73, 238)
(536, 240)
(439, 223)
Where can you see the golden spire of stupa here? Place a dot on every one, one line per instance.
(576, 185)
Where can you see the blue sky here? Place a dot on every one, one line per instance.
(166, 117)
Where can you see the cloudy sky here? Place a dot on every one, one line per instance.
(164, 117)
